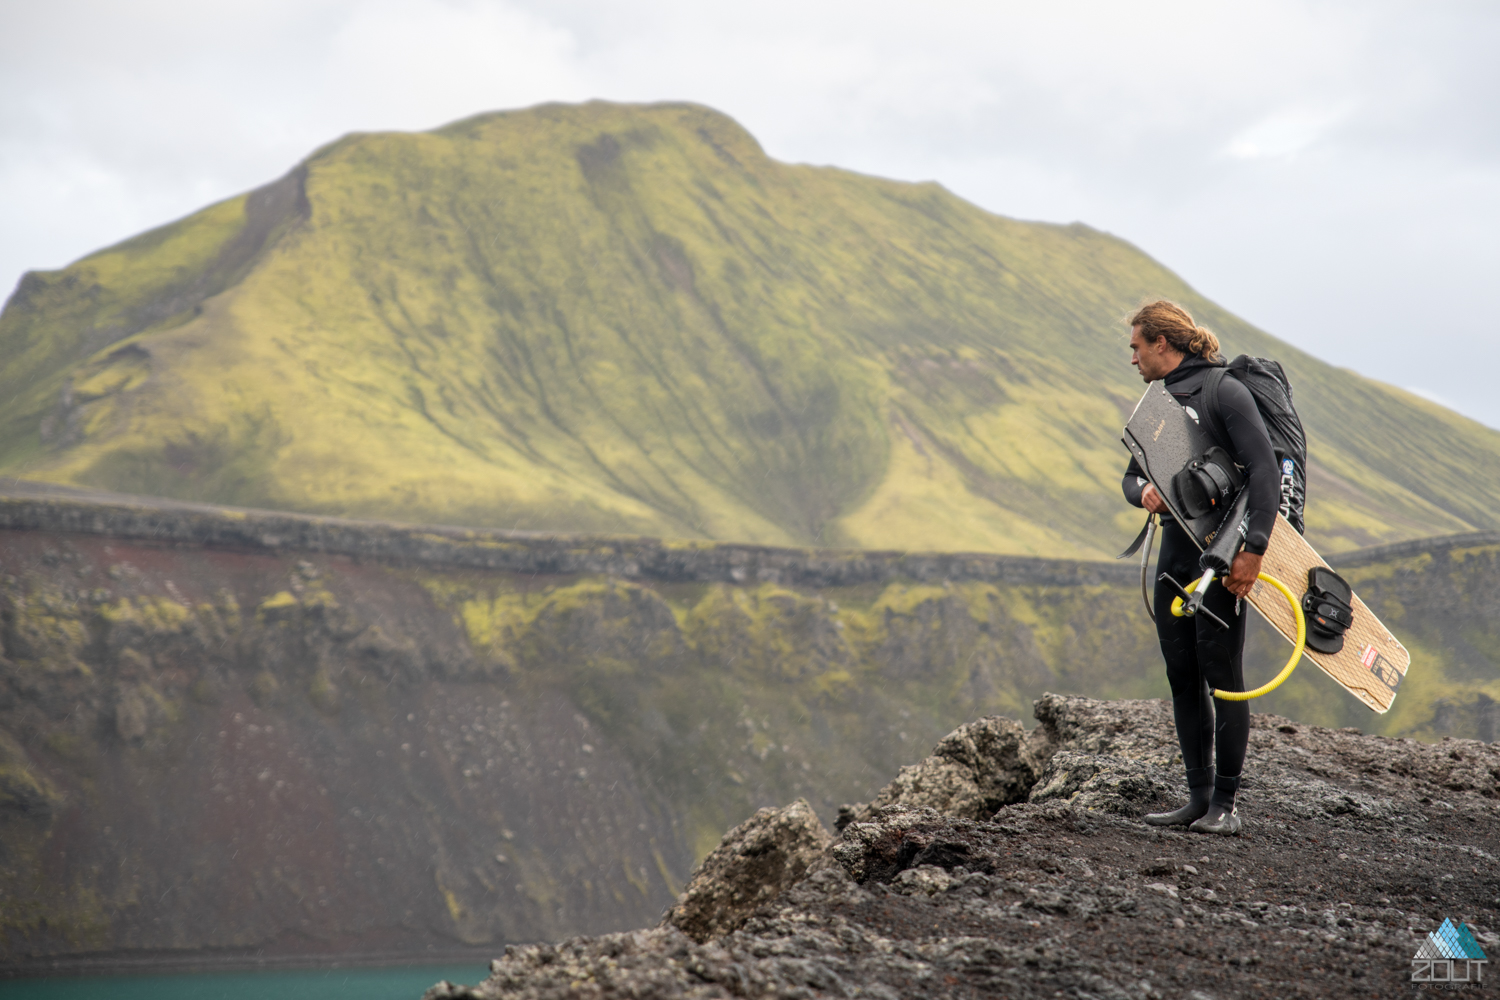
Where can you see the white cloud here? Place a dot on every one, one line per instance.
(1285, 134)
(415, 65)
(1329, 169)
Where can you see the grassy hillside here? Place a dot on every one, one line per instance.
(630, 319)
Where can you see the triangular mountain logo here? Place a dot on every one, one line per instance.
(1449, 955)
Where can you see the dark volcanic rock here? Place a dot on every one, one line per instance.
(757, 861)
(1355, 847)
(973, 771)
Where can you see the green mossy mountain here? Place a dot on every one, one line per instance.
(629, 319)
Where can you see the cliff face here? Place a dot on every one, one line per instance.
(238, 746)
(1355, 848)
(237, 751)
(230, 731)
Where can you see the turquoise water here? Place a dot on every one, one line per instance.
(395, 983)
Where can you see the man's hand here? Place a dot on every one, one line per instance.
(1243, 574)
(1152, 501)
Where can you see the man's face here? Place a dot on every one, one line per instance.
(1152, 360)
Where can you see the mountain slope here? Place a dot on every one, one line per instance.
(629, 319)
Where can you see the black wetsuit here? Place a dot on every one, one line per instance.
(1199, 655)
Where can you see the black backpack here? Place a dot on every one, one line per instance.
(1272, 392)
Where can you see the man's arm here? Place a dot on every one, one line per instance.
(1252, 449)
(1139, 491)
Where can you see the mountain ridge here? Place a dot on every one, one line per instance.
(629, 319)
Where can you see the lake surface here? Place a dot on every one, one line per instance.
(390, 983)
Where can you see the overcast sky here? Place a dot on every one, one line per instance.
(1329, 171)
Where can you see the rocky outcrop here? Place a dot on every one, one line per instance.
(1120, 757)
(1355, 848)
(756, 861)
(973, 771)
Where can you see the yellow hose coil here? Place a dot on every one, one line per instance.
(1291, 664)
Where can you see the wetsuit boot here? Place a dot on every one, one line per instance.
(1221, 817)
(1200, 789)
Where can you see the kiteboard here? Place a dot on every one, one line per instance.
(1164, 439)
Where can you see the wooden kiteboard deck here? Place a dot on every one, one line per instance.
(1164, 438)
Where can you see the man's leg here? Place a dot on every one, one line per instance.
(1220, 656)
(1192, 709)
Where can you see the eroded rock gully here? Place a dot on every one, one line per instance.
(1354, 848)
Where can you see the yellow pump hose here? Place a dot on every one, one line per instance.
(1291, 664)
(1297, 647)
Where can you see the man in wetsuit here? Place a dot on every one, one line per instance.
(1167, 345)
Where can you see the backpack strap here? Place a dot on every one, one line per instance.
(1135, 545)
(1212, 418)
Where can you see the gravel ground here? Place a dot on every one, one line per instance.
(1354, 848)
